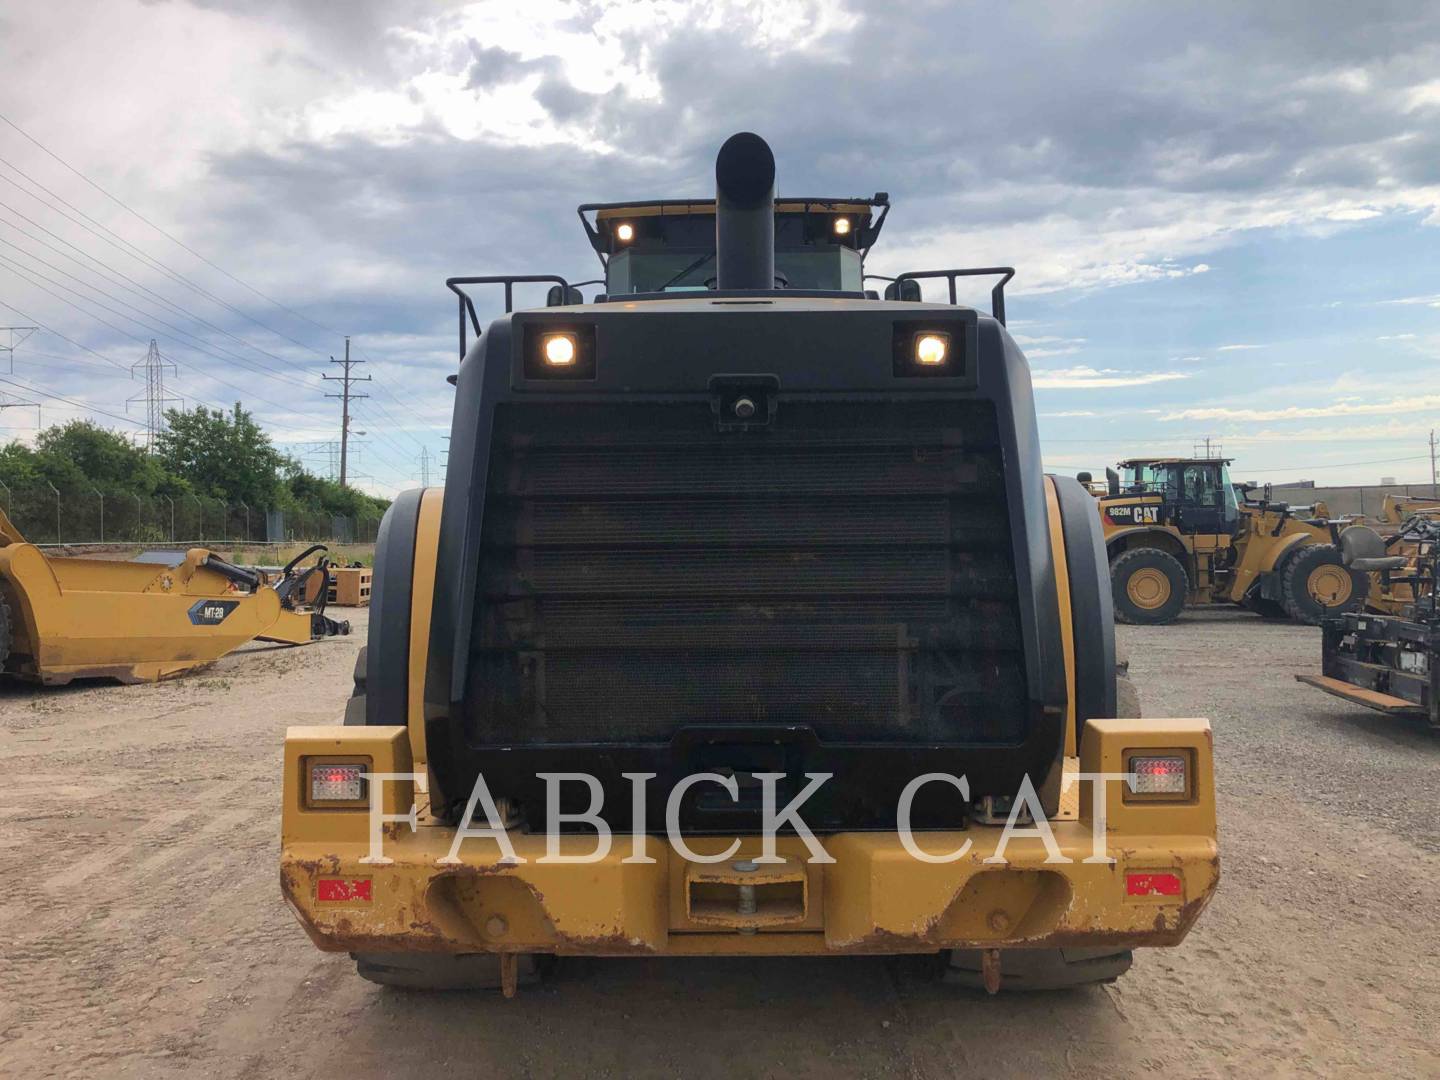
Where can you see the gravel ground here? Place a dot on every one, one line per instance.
(143, 932)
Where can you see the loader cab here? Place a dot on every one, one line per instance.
(651, 247)
(1198, 495)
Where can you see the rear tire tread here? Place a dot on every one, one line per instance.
(1040, 969)
(1297, 568)
(441, 971)
(1135, 559)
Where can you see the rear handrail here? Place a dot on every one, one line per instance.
(467, 306)
(997, 294)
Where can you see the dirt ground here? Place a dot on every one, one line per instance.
(142, 932)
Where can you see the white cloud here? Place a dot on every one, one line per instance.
(1433, 300)
(1070, 412)
(1422, 403)
(1082, 377)
(1238, 348)
(1396, 337)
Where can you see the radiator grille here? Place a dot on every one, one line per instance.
(848, 568)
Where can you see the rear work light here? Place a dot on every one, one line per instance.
(332, 782)
(1160, 776)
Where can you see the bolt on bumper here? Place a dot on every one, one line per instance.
(875, 897)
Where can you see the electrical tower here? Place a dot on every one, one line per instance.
(329, 451)
(1208, 449)
(14, 335)
(345, 396)
(9, 402)
(424, 466)
(154, 397)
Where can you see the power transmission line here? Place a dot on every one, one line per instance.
(345, 396)
(134, 251)
(24, 272)
(70, 401)
(125, 247)
(180, 243)
(131, 250)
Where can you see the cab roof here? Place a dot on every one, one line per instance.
(867, 215)
(1132, 462)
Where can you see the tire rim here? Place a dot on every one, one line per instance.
(1148, 588)
(1329, 585)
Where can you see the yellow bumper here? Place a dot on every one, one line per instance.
(874, 898)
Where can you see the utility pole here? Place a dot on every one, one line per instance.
(154, 396)
(1434, 491)
(11, 340)
(345, 397)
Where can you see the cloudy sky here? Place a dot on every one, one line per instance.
(1225, 216)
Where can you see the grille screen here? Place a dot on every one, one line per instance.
(848, 568)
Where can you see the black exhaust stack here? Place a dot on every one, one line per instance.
(745, 214)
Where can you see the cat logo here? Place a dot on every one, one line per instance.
(211, 612)
(1134, 515)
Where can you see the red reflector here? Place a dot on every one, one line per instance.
(342, 889)
(1152, 885)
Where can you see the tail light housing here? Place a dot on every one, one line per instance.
(1160, 776)
(335, 783)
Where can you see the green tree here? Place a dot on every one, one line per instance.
(223, 455)
(82, 455)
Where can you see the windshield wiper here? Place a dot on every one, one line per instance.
(701, 261)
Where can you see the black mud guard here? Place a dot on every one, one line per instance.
(1091, 609)
(387, 675)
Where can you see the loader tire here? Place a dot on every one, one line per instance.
(355, 704)
(1148, 587)
(1127, 697)
(5, 635)
(441, 971)
(1040, 969)
(1317, 585)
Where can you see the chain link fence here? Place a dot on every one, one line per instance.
(48, 516)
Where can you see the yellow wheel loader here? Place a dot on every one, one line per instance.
(1178, 534)
(746, 624)
(141, 621)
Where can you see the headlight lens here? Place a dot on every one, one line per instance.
(559, 350)
(931, 349)
(842, 226)
(624, 232)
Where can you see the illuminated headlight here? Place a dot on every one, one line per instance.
(334, 783)
(624, 232)
(1161, 774)
(931, 349)
(842, 226)
(559, 349)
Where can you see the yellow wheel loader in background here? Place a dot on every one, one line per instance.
(737, 536)
(1178, 534)
(66, 618)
